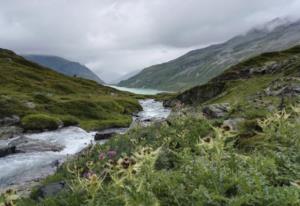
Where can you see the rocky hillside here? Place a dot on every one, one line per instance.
(265, 82)
(199, 66)
(36, 98)
(64, 66)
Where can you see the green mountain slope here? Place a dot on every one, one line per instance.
(262, 81)
(199, 66)
(27, 88)
(64, 66)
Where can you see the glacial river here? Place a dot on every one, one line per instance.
(23, 168)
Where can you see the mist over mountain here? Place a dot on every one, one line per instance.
(199, 66)
(64, 66)
(125, 77)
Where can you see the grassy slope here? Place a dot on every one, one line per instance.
(237, 85)
(190, 160)
(52, 93)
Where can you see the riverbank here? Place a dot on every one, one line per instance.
(22, 170)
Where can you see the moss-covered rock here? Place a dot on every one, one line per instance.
(40, 122)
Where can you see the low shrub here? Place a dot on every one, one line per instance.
(40, 122)
(69, 120)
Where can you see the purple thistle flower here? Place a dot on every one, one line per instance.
(101, 156)
(111, 154)
(87, 174)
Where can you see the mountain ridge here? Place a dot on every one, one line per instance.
(64, 66)
(199, 66)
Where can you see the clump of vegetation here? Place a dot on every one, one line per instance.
(40, 122)
(188, 161)
(69, 120)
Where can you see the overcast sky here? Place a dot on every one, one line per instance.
(114, 37)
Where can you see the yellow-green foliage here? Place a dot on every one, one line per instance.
(187, 161)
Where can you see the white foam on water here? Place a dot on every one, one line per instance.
(28, 166)
(20, 168)
(153, 110)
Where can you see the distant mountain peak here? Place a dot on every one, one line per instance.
(64, 66)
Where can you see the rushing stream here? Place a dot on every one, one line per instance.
(23, 168)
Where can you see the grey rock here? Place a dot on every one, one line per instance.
(201, 93)
(30, 105)
(50, 190)
(232, 124)
(7, 150)
(216, 110)
(8, 132)
(24, 144)
(8, 121)
(103, 135)
(287, 86)
(271, 108)
(292, 90)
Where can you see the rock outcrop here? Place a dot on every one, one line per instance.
(284, 87)
(232, 124)
(197, 94)
(9, 128)
(216, 110)
(8, 132)
(8, 121)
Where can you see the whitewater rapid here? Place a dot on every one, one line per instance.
(19, 169)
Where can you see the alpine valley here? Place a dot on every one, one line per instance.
(199, 66)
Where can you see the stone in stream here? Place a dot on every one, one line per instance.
(7, 150)
(104, 135)
(24, 144)
(108, 133)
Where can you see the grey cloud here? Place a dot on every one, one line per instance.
(114, 37)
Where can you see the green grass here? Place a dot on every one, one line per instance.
(92, 105)
(187, 162)
(190, 160)
(40, 122)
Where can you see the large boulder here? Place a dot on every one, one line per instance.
(232, 124)
(287, 86)
(24, 144)
(216, 110)
(104, 135)
(8, 121)
(7, 150)
(8, 132)
(200, 94)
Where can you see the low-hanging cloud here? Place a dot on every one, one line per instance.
(114, 37)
